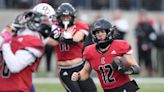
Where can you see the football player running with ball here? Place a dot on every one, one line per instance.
(111, 59)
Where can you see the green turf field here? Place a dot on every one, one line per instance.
(55, 87)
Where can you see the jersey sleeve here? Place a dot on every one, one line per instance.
(83, 27)
(85, 54)
(124, 48)
(34, 42)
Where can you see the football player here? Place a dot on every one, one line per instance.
(41, 24)
(108, 57)
(68, 47)
(22, 50)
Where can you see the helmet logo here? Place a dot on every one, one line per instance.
(66, 12)
(46, 10)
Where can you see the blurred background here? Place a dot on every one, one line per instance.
(141, 22)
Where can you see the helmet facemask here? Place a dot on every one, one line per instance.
(39, 23)
(64, 10)
(108, 39)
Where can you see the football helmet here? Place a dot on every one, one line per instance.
(65, 9)
(103, 24)
(36, 23)
(44, 9)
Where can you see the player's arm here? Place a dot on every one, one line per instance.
(5, 35)
(71, 36)
(126, 64)
(21, 59)
(18, 23)
(134, 67)
(50, 41)
(80, 35)
(83, 74)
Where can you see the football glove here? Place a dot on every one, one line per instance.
(120, 64)
(6, 36)
(55, 33)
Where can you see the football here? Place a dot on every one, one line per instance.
(121, 61)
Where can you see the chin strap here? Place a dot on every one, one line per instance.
(104, 44)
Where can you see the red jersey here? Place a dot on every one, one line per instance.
(101, 63)
(22, 81)
(70, 51)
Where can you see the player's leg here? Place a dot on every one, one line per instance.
(162, 59)
(128, 87)
(70, 86)
(84, 85)
(48, 53)
(140, 55)
(65, 74)
(131, 86)
(32, 88)
(148, 62)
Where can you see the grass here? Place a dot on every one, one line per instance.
(151, 84)
(56, 87)
(151, 88)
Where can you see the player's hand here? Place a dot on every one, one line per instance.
(117, 63)
(75, 76)
(55, 33)
(20, 21)
(67, 35)
(7, 36)
(122, 65)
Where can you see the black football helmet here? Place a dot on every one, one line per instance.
(36, 23)
(103, 24)
(63, 10)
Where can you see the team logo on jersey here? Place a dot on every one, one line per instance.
(113, 52)
(20, 39)
(103, 60)
(65, 73)
(124, 90)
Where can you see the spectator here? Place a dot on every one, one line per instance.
(159, 43)
(121, 24)
(143, 32)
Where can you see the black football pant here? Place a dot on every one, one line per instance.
(128, 87)
(75, 86)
